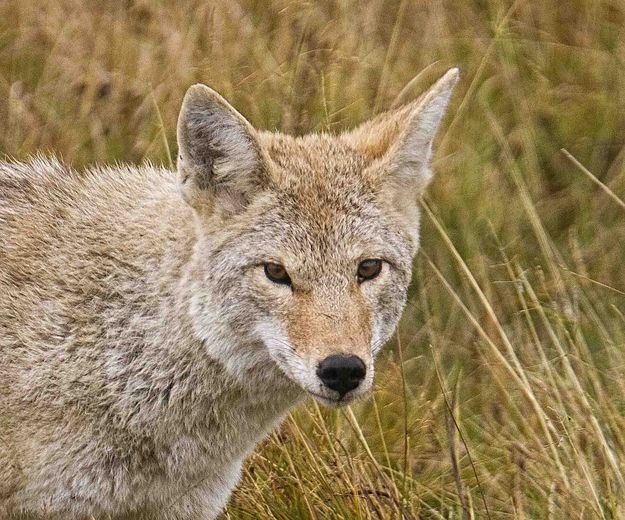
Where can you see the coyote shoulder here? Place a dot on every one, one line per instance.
(154, 327)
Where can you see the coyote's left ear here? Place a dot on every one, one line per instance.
(221, 164)
(399, 142)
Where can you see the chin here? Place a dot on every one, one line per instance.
(335, 402)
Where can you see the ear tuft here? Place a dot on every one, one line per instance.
(399, 142)
(219, 160)
(411, 152)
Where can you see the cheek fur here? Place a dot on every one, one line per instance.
(390, 300)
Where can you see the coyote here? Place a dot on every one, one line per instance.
(154, 328)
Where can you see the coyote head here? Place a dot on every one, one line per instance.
(304, 244)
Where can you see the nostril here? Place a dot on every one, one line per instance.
(341, 373)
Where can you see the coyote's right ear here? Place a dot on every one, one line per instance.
(220, 163)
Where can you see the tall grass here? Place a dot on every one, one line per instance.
(503, 395)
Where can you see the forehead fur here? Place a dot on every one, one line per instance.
(322, 188)
(319, 163)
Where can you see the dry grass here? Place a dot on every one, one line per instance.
(516, 323)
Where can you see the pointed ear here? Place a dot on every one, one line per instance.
(220, 162)
(399, 143)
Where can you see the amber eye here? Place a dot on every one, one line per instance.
(277, 273)
(369, 269)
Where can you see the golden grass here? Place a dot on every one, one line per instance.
(504, 394)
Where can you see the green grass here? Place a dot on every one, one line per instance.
(516, 321)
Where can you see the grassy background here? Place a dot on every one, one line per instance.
(516, 321)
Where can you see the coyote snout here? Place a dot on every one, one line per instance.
(325, 328)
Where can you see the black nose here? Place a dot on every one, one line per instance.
(342, 373)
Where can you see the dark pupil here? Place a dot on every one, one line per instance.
(369, 269)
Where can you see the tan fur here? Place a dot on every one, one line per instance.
(343, 326)
(143, 351)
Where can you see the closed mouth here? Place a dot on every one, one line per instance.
(329, 400)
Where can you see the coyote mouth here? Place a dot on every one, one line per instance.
(330, 401)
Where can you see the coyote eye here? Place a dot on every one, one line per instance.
(277, 273)
(369, 269)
